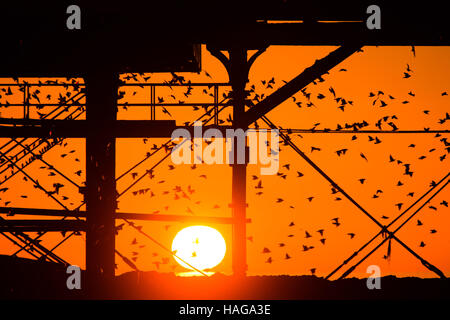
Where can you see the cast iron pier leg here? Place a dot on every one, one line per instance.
(100, 179)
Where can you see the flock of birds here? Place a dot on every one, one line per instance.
(386, 121)
(381, 124)
(379, 99)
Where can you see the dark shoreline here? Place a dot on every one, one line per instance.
(29, 279)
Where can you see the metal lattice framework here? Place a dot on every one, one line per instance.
(17, 161)
(99, 62)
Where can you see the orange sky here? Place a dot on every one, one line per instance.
(373, 70)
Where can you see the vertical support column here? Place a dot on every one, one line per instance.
(26, 101)
(100, 178)
(238, 73)
(152, 103)
(216, 105)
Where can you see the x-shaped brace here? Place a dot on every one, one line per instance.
(387, 235)
(383, 228)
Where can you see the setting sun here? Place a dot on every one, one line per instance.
(200, 246)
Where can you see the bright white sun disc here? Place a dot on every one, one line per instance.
(201, 246)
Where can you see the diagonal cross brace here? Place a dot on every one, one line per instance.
(76, 210)
(287, 140)
(40, 158)
(318, 69)
(30, 245)
(353, 255)
(390, 234)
